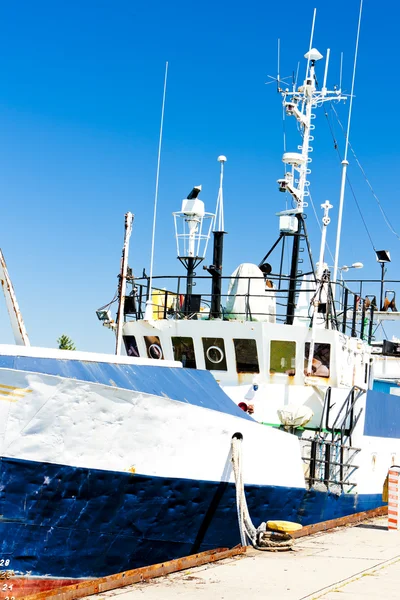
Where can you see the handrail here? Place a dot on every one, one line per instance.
(337, 315)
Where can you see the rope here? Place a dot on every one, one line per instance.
(259, 538)
(246, 527)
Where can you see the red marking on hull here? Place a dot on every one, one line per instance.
(25, 586)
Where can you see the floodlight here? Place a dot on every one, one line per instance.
(194, 192)
(356, 265)
(103, 315)
(383, 256)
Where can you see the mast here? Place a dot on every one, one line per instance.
(320, 284)
(300, 103)
(122, 281)
(345, 161)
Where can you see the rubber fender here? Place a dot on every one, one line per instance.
(285, 526)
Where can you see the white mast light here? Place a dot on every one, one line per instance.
(191, 234)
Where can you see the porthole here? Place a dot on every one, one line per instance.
(215, 355)
(153, 347)
(155, 351)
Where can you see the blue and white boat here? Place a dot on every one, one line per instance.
(114, 462)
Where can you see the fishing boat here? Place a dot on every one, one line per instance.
(111, 462)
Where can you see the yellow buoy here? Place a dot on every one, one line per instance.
(284, 526)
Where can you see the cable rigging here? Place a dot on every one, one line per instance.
(336, 146)
(384, 215)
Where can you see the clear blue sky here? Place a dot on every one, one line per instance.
(80, 98)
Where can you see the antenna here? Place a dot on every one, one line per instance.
(297, 74)
(215, 269)
(341, 70)
(324, 89)
(345, 161)
(311, 41)
(148, 310)
(279, 60)
(278, 77)
(219, 211)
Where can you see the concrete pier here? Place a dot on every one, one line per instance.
(360, 561)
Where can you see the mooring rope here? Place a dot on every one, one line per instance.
(259, 538)
(247, 530)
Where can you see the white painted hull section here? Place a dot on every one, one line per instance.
(90, 425)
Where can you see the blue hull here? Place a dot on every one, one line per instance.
(73, 522)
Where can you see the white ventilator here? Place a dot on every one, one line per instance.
(248, 296)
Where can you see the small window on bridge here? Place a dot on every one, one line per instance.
(283, 357)
(214, 354)
(153, 347)
(246, 356)
(184, 351)
(131, 346)
(321, 359)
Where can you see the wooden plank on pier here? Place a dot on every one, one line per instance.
(112, 582)
(341, 521)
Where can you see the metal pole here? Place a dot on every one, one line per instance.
(149, 308)
(371, 324)
(382, 282)
(345, 164)
(216, 273)
(17, 322)
(344, 161)
(291, 305)
(189, 284)
(345, 303)
(325, 222)
(122, 281)
(353, 324)
(362, 326)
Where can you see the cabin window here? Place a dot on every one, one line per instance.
(283, 357)
(321, 359)
(366, 372)
(153, 347)
(246, 356)
(184, 351)
(214, 354)
(131, 346)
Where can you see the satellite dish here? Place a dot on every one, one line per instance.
(313, 54)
